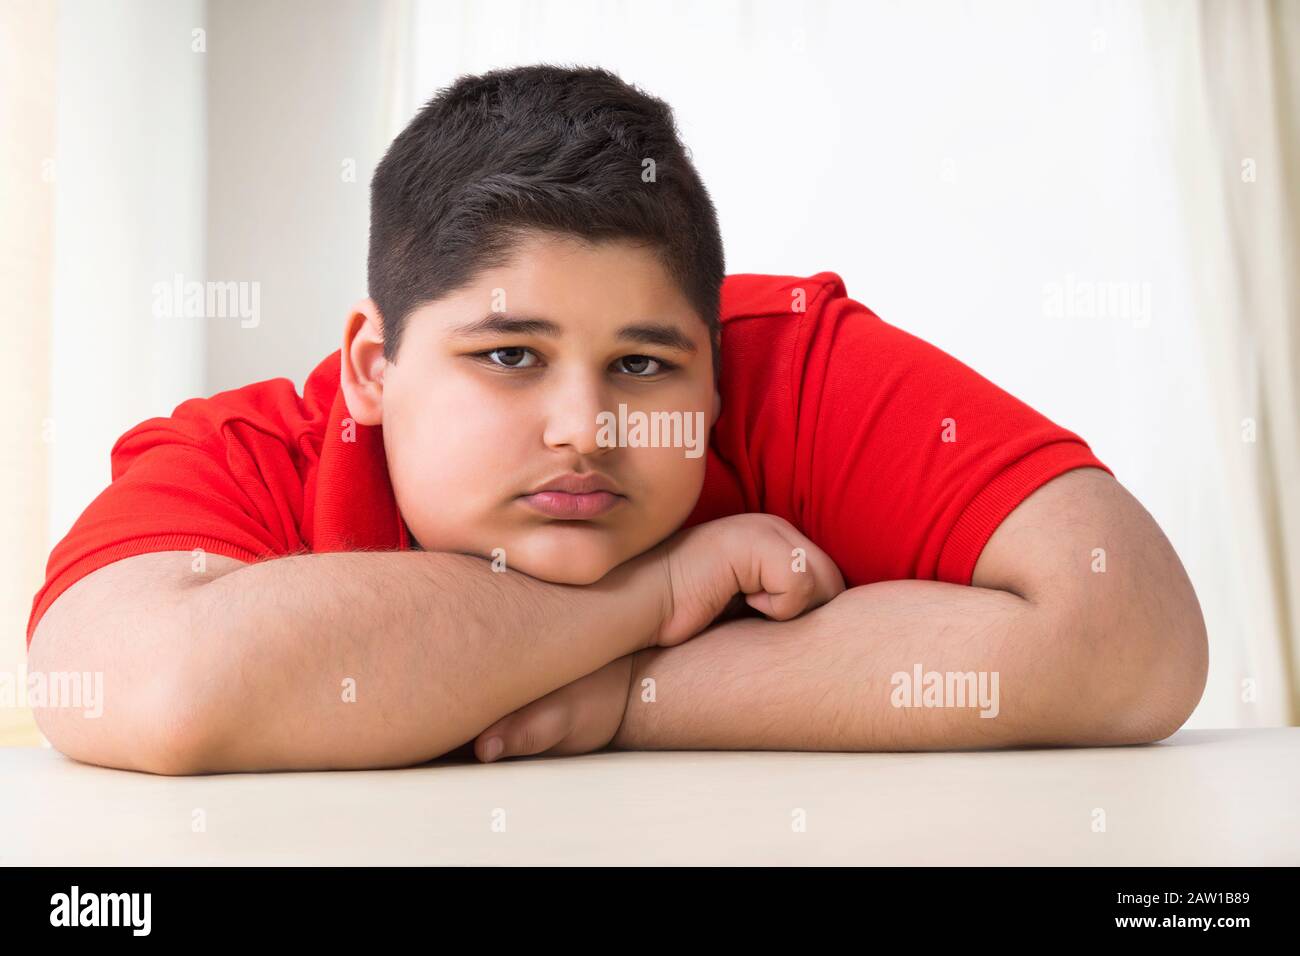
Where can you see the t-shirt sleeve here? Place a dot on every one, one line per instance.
(180, 483)
(906, 460)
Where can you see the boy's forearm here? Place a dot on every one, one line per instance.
(377, 659)
(825, 681)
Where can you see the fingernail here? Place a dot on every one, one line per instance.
(492, 749)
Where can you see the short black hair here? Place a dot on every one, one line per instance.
(557, 149)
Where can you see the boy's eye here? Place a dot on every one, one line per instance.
(643, 366)
(512, 357)
(516, 356)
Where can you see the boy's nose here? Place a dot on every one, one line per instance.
(572, 417)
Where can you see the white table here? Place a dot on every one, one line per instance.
(1202, 797)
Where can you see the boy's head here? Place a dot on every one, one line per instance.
(542, 252)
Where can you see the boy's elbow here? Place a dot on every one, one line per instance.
(121, 646)
(1160, 678)
(159, 729)
(160, 745)
(182, 743)
(1174, 689)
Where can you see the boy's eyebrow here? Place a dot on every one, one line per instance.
(663, 334)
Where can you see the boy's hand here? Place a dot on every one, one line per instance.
(704, 571)
(575, 719)
(779, 570)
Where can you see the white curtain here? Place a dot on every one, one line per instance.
(145, 139)
(1229, 78)
(104, 172)
(129, 213)
(28, 60)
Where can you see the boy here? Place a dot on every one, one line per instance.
(442, 544)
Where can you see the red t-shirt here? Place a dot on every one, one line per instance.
(894, 457)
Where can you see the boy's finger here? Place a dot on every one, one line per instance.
(536, 728)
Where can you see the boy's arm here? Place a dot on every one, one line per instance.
(1083, 656)
(322, 661)
(436, 645)
(376, 659)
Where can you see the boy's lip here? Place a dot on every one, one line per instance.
(573, 483)
(561, 504)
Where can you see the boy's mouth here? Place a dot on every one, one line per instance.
(563, 504)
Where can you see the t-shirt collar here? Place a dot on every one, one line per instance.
(352, 505)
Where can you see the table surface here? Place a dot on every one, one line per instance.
(1202, 797)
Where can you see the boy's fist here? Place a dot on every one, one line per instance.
(779, 570)
(578, 718)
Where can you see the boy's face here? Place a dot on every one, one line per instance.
(475, 419)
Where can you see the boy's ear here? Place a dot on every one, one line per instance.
(717, 408)
(362, 364)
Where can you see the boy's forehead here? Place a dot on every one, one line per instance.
(548, 287)
(614, 270)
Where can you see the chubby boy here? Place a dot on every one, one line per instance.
(440, 546)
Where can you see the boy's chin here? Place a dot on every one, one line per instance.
(554, 561)
(567, 570)
(565, 559)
